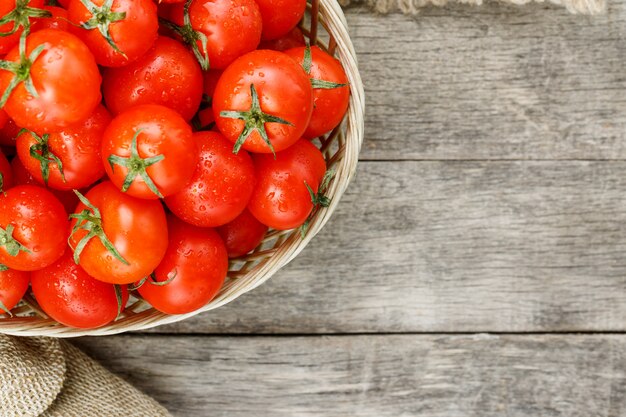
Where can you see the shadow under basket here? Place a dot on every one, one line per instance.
(324, 25)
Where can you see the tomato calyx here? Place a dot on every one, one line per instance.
(21, 70)
(119, 297)
(136, 166)
(2, 306)
(152, 280)
(3, 268)
(90, 220)
(1, 185)
(102, 17)
(191, 36)
(8, 242)
(20, 16)
(317, 84)
(42, 153)
(254, 120)
(318, 200)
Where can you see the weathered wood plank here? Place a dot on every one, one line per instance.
(378, 376)
(493, 82)
(453, 246)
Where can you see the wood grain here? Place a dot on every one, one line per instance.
(453, 247)
(493, 82)
(377, 376)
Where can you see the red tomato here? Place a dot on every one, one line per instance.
(124, 238)
(221, 186)
(64, 3)
(8, 133)
(280, 16)
(331, 94)
(21, 16)
(196, 263)
(68, 159)
(210, 82)
(168, 75)
(281, 199)
(13, 286)
(70, 296)
(231, 28)
(118, 32)
(293, 39)
(6, 173)
(149, 152)
(58, 20)
(263, 102)
(242, 234)
(65, 78)
(3, 119)
(33, 228)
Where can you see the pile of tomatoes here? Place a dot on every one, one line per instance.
(149, 141)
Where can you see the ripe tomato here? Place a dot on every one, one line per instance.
(13, 286)
(149, 152)
(8, 133)
(195, 265)
(57, 20)
(230, 29)
(117, 238)
(33, 228)
(3, 119)
(221, 186)
(117, 32)
(70, 296)
(18, 13)
(263, 102)
(6, 173)
(168, 75)
(281, 198)
(242, 234)
(59, 62)
(68, 159)
(293, 39)
(280, 16)
(331, 94)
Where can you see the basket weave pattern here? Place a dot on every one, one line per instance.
(324, 25)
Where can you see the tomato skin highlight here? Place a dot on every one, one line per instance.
(221, 186)
(40, 225)
(284, 91)
(8, 42)
(168, 74)
(13, 286)
(64, 64)
(197, 259)
(163, 132)
(73, 298)
(136, 228)
(242, 235)
(280, 16)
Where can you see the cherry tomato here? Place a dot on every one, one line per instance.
(149, 152)
(293, 39)
(8, 133)
(68, 159)
(70, 296)
(280, 16)
(231, 27)
(4, 119)
(117, 33)
(33, 228)
(64, 75)
(221, 186)
(64, 3)
(331, 94)
(263, 102)
(125, 237)
(13, 286)
(281, 199)
(242, 234)
(6, 173)
(195, 265)
(58, 20)
(168, 75)
(22, 14)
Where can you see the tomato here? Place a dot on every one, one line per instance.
(263, 102)
(149, 152)
(280, 16)
(8, 133)
(64, 3)
(6, 173)
(331, 94)
(4, 119)
(65, 78)
(231, 28)
(195, 265)
(293, 39)
(68, 159)
(242, 234)
(57, 20)
(117, 238)
(117, 32)
(33, 228)
(18, 13)
(281, 198)
(221, 186)
(13, 286)
(70, 296)
(168, 75)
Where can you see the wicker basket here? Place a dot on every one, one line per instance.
(324, 25)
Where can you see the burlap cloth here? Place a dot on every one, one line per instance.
(51, 378)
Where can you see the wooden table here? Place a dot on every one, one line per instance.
(477, 264)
